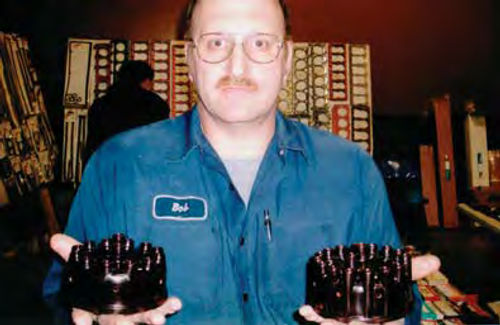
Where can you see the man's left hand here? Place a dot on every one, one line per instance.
(422, 266)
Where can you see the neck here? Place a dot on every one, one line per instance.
(244, 140)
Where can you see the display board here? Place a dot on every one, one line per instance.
(329, 87)
(27, 146)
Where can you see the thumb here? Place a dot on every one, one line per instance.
(82, 317)
(424, 265)
(62, 244)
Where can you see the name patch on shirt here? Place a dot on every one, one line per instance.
(180, 208)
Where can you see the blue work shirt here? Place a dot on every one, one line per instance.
(165, 184)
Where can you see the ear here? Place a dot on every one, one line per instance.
(288, 59)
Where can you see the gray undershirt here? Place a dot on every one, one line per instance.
(243, 173)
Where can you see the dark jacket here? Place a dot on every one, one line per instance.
(124, 107)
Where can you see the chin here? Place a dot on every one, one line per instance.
(238, 118)
(238, 111)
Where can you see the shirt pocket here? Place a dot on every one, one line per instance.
(194, 261)
(286, 260)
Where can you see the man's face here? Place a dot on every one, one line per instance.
(238, 90)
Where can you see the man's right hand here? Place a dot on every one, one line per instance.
(62, 245)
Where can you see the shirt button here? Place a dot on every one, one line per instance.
(282, 152)
(242, 241)
(245, 297)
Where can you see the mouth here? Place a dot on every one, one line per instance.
(237, 89)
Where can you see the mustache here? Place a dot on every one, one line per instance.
(229, 81)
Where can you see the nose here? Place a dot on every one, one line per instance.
(238, 61)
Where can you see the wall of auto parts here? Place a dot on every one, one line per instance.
(329, 87)
(27, 146)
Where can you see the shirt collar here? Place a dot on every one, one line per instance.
(288, 136)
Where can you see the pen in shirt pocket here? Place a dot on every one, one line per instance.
(268, 225)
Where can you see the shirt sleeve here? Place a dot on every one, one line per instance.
(377, 222)
(87, 205)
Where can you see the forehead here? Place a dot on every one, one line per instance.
(238, 16)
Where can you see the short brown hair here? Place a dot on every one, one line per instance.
(185, 25)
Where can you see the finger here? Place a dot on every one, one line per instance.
(157, 315)
(170, 306)
(82, 317)
(62, 244)
(151, 317)
(110, 319)
(123, 321)
(310, 315)
(422, 266)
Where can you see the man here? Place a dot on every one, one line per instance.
(128, 103)
(237, 195)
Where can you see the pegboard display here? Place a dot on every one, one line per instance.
(27, 145)
(329, 86)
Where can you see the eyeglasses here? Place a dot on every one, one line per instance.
(218, 47)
